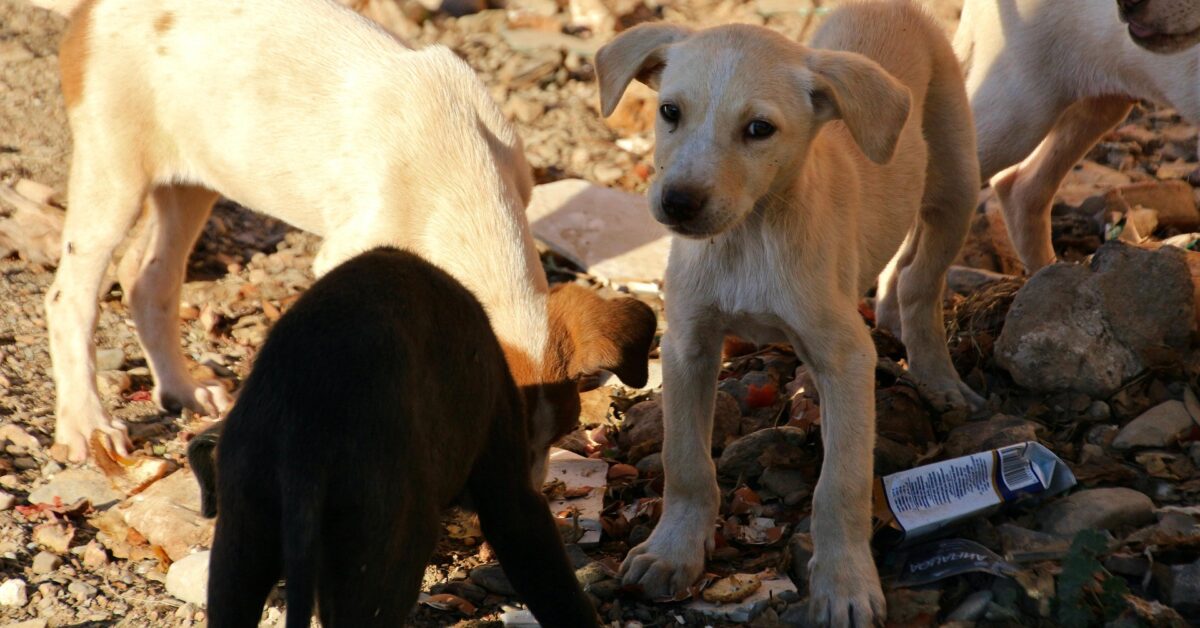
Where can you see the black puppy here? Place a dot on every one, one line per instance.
(381, 398)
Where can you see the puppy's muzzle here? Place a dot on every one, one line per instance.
(681, 204)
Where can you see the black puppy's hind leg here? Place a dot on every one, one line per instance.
(243, 567)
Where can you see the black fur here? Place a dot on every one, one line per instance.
(377, 401)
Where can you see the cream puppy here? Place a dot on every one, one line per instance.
(791, 176)
(1047, 79)
(313, 114)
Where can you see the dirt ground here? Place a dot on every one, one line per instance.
(247, 268)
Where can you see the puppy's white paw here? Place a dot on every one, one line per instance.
(671, 560)
(74, 427)
(845, 591)
(208, 397)
(950, 394)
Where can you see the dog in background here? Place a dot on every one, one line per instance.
(1048, 78)
(306, 111)
(790, 176)
(378, 400)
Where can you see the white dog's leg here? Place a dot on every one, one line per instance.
(105, 196)
(887, 299)
(177, 216)
(844, 582)
(673, 557)
(1027, 189)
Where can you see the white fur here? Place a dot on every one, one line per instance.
(300, 109)
(1047, 78)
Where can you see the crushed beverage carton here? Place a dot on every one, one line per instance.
(916, 503)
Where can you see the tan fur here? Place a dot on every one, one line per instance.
(73, 53)
(871, 160)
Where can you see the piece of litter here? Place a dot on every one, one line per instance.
(942, 559)
(577, 473)
(915, 503)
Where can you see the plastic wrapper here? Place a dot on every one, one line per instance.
(914, 504)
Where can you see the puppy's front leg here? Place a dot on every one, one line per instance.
(844, 582)
(673, 557)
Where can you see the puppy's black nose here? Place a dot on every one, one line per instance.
(1130, 5)
(681, 204)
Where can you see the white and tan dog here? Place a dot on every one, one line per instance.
(311, 113)
(1047, 79)
(791, 176)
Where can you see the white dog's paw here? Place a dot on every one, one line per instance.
(670, 561)
(845, 592)
(950, 394)
(74, 428)
(208, 397)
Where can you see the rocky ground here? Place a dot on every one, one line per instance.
(1095, 360)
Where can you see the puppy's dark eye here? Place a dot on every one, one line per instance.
(669, 112)
(759, 130)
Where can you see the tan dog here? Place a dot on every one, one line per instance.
(1047, 79)
(313, 114)
(791, 175)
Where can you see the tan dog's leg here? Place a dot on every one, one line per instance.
(105, 196)
(844, 582)
(673, 557)
(951, 173)
(176, 218)
(1026, 189)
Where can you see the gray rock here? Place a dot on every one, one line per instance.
(109, 359)
(187, 579)
(1092, 328)
(799, 551)
(46, 562)
(113, 383)
(892, 457)
(579, 559)
(1159, 426)
(82, 591)
(7, 501)
(650, 465)
(73, 484)
(740, 459)
(492, 578)
(971, 608)
(642, 429)
(966, 280)
(784, 482)
(998, 431)
(1023, 545)
(1097, 508)
(1180, 584)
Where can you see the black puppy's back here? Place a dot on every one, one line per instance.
(378, 399)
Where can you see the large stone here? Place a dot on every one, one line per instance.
(998, 431)
(1159, 426)
(1092, 328)
(741, 458)
(168, 515)
(187, 579)
(1173, 200)
(12, 593)
(610, 233)
(1180, 584)
(1097, 508)
(74, 484)
(642, 429)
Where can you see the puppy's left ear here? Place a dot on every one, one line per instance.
(614, 335)
(638, 53)
(872, 103)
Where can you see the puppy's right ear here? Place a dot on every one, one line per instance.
(638, 53)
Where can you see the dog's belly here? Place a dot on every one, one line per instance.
(759, 328)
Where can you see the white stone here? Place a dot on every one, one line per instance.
(610, 233)
(12, 593)
(187, 579)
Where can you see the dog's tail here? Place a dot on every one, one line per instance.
(202, 458)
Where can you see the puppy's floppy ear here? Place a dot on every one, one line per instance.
(638, 53)
(872, 103)
(614, 335)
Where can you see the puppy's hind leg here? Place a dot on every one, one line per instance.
(244, 564)
(1027, 189)
(177, 215)
(106, 193)
(952, 173)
